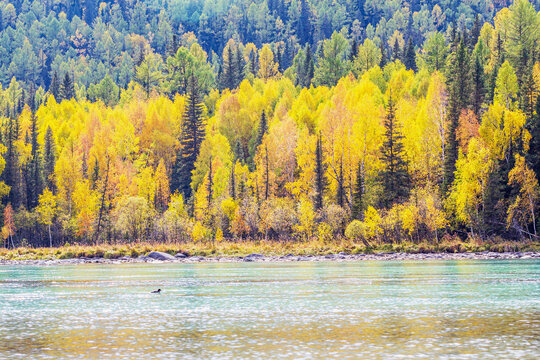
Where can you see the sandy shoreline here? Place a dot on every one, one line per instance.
(181, 258)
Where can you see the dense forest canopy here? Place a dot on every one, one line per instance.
(184, 119)
(92, 38)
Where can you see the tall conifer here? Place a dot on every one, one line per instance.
(192, 137)
(358, 195)
(395, 175)
(320, 182)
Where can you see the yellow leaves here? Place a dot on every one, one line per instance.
(215, 148)
(526, 203)
(161, 182)
(4, 189)
(506, 85)
(400, 84)
(267, 67)
(277, 155)
(67, 173)
(372, 223)
(229, 206)
(86, 204)
(502, 128)
(306, 217)
(146, 185)
(305, 159)
(47, 207)
(306, 108)
(472, 173)
(176, 205)
(200, 232)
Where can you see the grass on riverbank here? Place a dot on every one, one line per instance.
(269, 248)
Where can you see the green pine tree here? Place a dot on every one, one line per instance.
(340, 190)
(232, 183)
(478, 86)
(533, 126)
(54, 87)
(395, 176)
(409, 57)
(49, 159)
(320, 181)
(192, 137)
(240, 67)
(210, 185)
(34, 181)
(459, 99)
(357, 210)
(67, 89)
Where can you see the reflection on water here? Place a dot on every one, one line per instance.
(372, 309)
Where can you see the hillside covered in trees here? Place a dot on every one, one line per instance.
(180, 120)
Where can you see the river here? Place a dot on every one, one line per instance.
(466, 309)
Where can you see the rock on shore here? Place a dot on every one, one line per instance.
(159, 257)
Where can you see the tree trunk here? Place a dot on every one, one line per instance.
(50, 236)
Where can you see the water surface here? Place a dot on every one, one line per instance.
(467, 309)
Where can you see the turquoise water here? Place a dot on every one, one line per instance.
(473, 309)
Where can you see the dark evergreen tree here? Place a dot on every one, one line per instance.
(357, 210)
(192, 137)
(395, 176)
(11, 176)
(459, 98)
(257, 141)
(478, 86)
(239, 153)
(340, 190)
(267, 174)
(229, 71)
(95, 174)
(453, 34)
(279, 60)
(173, 45)
(253, 65)
(54, 87)
(527, 95)
(288, 55)
(49, 160)
(354, 50)
(493, 82)
(475, 32)
(384, 55)
(303, 25)
(409, 57)
(262, 129)
(240, 65)
(34, 182)
(533, 126)
(232, 183)
(396, 52)
(210, 185)
(67, 89)
(84, 165)
(320, 181)
(307, 70)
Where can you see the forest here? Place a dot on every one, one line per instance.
(197, 121)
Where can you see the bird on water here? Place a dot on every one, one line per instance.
(158, 291)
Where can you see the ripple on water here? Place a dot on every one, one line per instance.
(399, 310)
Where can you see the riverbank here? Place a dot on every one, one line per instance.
(247, 251)
(158, 257)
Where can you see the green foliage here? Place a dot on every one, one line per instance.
(333, 63)
(395, 176)
(193, 133)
